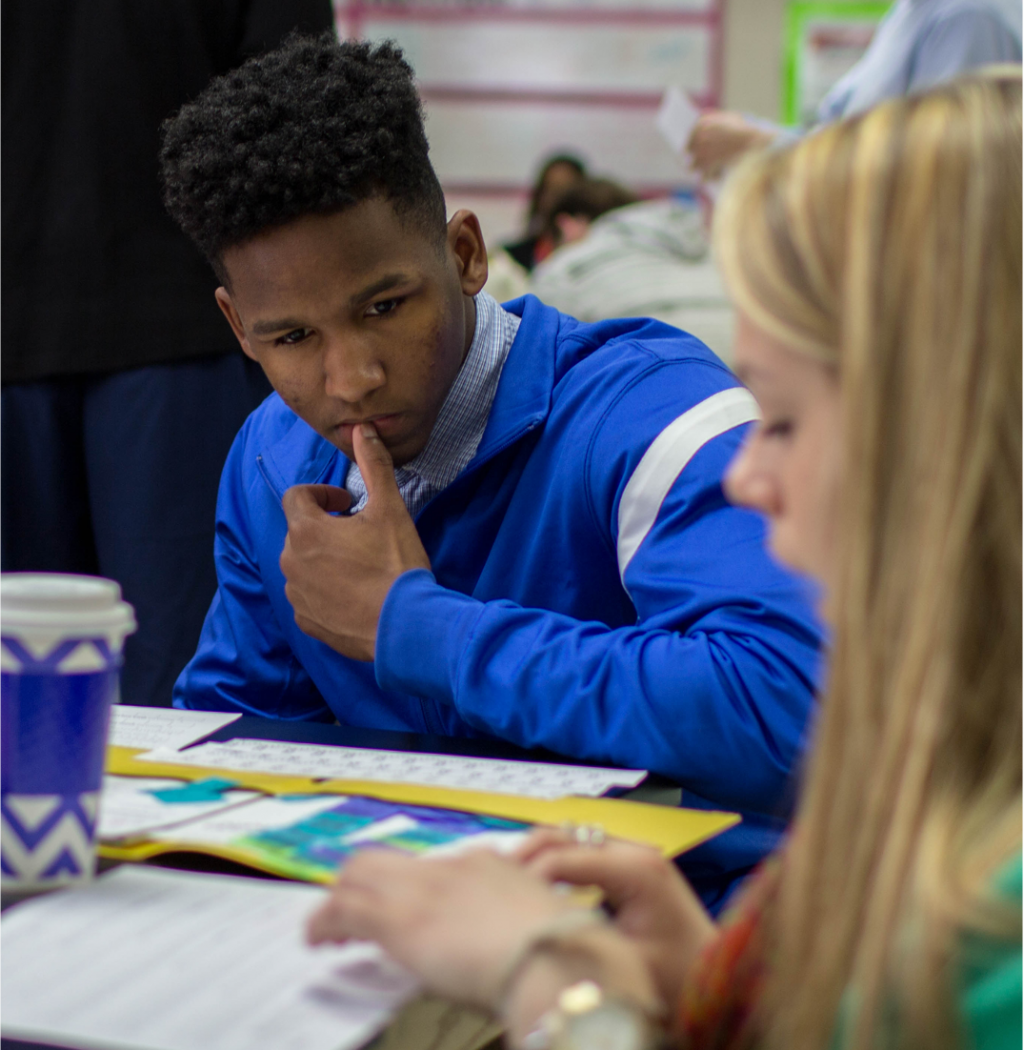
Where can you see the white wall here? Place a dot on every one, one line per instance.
(753, 56)
(752, 82)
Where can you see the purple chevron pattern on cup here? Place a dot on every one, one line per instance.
(48, 839)
(60, 654)
(73, 654)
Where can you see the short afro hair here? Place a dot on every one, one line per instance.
(310, 128)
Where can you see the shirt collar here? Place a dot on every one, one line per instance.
(463, 417)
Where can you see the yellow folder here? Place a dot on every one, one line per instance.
(670, 829)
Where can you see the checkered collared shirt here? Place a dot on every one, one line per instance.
(463, 417)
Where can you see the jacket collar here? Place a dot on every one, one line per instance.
(298, 457)
(523, 399)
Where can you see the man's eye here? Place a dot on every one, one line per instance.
(384, 306)
(293, 337)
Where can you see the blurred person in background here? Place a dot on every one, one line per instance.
(616, 256)
(565, 218)
(509, 265)
(918, 44)
(556, 175)
(575, 208)
(123, 388)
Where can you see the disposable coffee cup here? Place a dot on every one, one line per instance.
(61, 644)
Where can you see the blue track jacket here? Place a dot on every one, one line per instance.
(592, 591)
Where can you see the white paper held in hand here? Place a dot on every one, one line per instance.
(676, 119)
(505, 776)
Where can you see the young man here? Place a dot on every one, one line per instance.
(532, 540)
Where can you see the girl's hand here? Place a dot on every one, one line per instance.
(454, 922)
(652, 905)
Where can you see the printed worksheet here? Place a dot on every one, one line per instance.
(150, 959)
(132, 806)
(506, 776)
(163, 726)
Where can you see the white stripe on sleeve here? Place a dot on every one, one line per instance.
(665, 459)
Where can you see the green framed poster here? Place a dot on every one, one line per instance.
(823, 39)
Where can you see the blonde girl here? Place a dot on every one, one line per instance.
(876, 269)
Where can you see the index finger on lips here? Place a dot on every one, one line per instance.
(374, 462)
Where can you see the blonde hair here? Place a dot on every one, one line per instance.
(889, 246)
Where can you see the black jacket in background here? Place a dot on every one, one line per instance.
(95, 275)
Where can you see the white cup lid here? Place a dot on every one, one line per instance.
(62, 602)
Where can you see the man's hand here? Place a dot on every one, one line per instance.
(338, 571)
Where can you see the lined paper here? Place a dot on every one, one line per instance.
(507, 776)
(163, 726)
(148, 959)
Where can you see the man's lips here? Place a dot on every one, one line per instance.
(385, 426)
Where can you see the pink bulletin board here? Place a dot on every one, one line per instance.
(506, 82)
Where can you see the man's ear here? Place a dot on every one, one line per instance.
(467, 243)
(227, 308)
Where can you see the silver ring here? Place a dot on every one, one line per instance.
(584, 834)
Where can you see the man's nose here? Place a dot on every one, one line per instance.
(352, 370)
